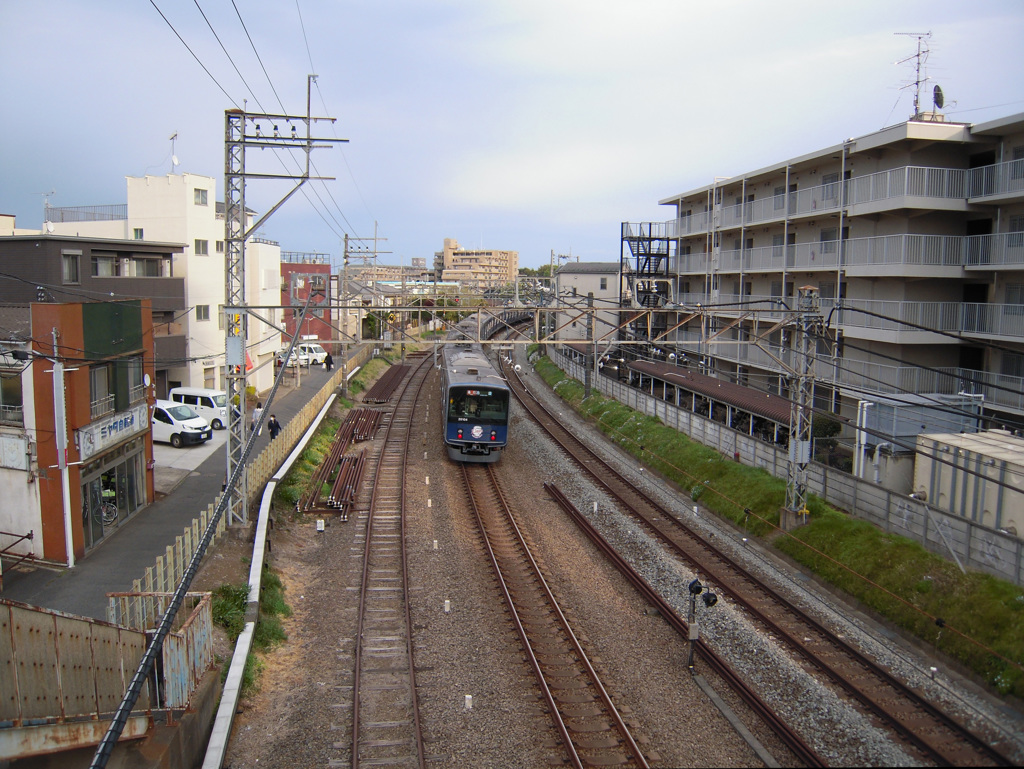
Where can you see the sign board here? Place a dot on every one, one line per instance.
(109, 431)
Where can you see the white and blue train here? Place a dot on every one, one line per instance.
(475, 403)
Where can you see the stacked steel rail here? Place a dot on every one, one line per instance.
(341, 472)
(384, 387)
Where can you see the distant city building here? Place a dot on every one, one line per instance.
(475, 269)
(299, 281)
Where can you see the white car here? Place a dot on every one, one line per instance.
(178, 425)
(297, 358)
(315, 352)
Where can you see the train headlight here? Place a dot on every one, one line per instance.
(459, 435)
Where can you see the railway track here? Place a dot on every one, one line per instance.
(924, 729)
(386, 727)
(593, 732)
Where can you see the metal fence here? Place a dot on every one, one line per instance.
(945, 533)
(61, 668)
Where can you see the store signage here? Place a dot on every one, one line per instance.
(109, 431)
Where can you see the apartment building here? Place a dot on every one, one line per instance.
(475, 269)
(912, 237)
(182, 208)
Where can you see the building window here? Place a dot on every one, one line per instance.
(1015, 298)
(779, 197)
(199, 195)
(137, 234)
(202, 247)
(604, 284)
(101, 398)
(828, 240)
(1012, 364)
(69, 267)
(830, 186)
(202, 312)
(220, 317)
(1015, 239)
(10, 398)
(104, 266)
(220, 246)
(136, 386)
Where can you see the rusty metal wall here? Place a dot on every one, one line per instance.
(59, 667)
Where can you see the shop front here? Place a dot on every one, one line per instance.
(113, 472)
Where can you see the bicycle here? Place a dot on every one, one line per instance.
(106, 513)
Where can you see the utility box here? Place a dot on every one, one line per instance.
(978, 476)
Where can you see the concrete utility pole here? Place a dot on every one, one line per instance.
(801, 394)
(244, 130)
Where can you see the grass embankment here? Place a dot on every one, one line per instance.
(229, 601)
(976, 619)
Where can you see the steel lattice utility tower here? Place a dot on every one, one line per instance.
(245, 130)
(801, 396)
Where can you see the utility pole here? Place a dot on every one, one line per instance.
(243, 131)
(801, 395)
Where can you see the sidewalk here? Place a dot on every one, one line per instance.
(187, 480)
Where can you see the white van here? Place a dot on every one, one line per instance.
(178, 425)
(314, 352)
(211, 405)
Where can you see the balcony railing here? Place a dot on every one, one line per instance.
(102, 406)
(999, 179)
(1005, 248)
(12, 414)
(952, 317)
(915, 181)
(112, 213)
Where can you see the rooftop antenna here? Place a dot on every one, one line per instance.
(174, 158)
(920, 59)
(47, 224)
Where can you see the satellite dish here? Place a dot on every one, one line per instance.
(174, 160)
(937, 97)
(49, 227)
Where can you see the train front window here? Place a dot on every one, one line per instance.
(478, 405)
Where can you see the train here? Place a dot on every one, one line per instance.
(474, 400)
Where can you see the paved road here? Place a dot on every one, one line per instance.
(187, 480)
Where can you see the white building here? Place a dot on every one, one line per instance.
(574, 283)
(912, 237)
(182, 208)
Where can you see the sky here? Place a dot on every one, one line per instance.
(537, 126)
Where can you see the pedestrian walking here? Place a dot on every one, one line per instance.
(273, 426)
(257, 413)
(328, 362)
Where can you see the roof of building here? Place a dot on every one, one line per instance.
(588, 267)
(996, 444)
(773, 407)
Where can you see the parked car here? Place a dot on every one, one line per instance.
(297, 358)
(211, 405)
(178, 425)
(315, 352)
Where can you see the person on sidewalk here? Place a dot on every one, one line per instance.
(329, 362)
(257, 413)
(274, 426)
